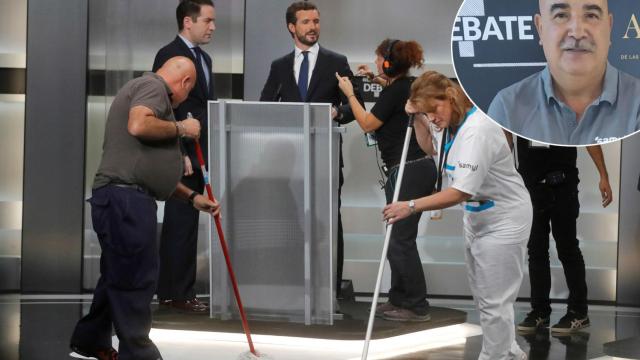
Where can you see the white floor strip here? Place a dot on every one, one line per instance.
(184, 345)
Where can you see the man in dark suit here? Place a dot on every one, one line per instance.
(179, 237)
(308, 75)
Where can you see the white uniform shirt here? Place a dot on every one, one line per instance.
(480, 163)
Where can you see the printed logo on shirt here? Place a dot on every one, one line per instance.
(600, 140)
(471, 167)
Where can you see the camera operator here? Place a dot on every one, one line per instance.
(394, 58)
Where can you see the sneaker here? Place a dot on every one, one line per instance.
(405, 315)
(382, 308)
(535, 320)
(571, 322)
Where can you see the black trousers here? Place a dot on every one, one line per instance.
(408, 285)
(556, 209)
(179, 244)
(125, 221)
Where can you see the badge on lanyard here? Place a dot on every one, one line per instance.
(537, 145)
(447, 146)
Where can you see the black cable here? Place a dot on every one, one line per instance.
(382, 181)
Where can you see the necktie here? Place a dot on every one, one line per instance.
(303, 77)
(199, 64)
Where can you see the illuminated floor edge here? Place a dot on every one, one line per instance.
(181, 344)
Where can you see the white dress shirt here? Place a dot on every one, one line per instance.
(205, 69)
(298, 57)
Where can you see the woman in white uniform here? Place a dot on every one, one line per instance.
(497, 207)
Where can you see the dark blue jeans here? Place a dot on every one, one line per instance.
(555, 210)
(125, 221)
(408, 285)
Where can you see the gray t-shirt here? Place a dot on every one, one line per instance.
(154, 165)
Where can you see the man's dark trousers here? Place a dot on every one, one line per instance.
(179, 244)
(555, 209)
(125, 220)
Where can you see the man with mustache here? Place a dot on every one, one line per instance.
(578, 98)
(179, 237)
(308, 74)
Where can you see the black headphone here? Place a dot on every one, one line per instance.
(388, 66)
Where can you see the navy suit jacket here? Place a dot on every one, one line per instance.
(281, 84)
(196, 102)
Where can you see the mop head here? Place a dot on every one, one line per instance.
(249, 356)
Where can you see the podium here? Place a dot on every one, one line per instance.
(274, 168)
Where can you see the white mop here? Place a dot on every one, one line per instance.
(387, 237)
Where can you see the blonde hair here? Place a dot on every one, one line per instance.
(433, 85)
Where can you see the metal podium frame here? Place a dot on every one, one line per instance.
(235, 128)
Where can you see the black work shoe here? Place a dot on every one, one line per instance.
(571, 322)
(535, 320)
(100, 354)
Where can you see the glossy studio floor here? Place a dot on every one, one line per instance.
(38, 327)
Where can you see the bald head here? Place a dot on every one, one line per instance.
(180, 75)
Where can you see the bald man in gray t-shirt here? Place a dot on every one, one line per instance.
(141, 163)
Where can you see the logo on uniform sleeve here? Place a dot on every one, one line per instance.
(472, 167)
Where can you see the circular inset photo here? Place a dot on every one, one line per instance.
(561, 72)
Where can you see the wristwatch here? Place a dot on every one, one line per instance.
(193, 196)
(412, 206)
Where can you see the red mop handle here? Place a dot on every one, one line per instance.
(225, 250)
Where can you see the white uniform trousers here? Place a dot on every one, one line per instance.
(495, 273)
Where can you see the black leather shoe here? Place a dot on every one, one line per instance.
(100, 354)
(193, 306)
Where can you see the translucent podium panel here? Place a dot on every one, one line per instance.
(11, 169)
(274, 167)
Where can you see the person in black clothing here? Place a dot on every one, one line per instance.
(551, 176)
(394, 59)
(179, 236)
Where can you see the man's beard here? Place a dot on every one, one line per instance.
(303, 39)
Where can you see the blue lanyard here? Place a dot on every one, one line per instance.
(449, 143)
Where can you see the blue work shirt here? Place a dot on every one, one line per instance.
(530, 108)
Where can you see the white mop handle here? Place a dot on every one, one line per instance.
(385, 247)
